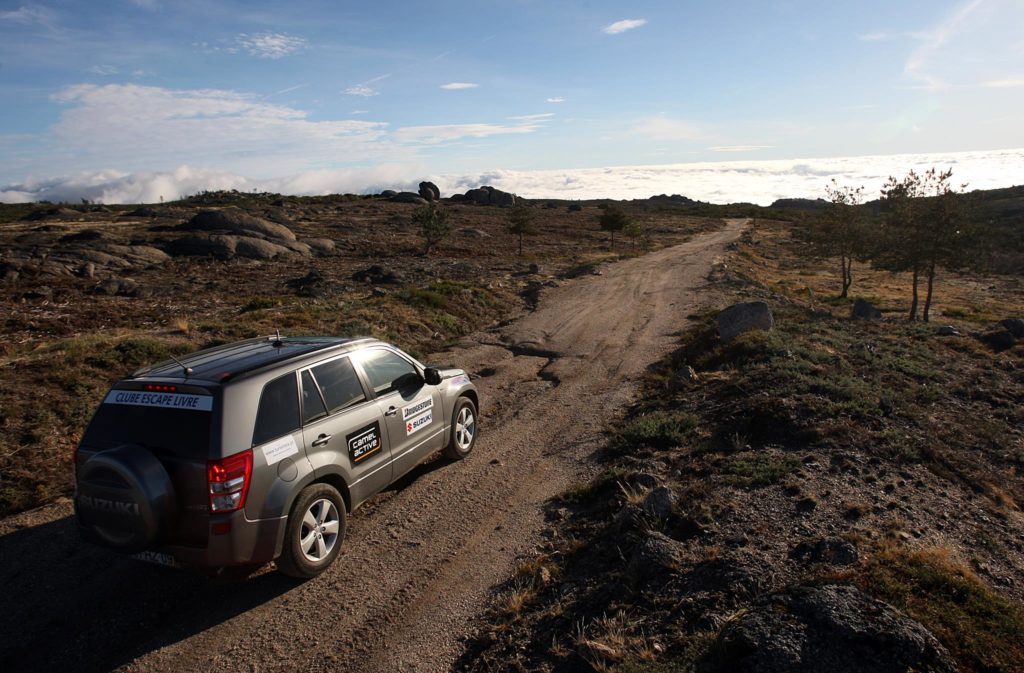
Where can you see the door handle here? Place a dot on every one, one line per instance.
(321, 440)
(391, 411)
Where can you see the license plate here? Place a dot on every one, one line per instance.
(158, 558)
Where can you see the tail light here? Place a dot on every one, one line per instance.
(229, 481)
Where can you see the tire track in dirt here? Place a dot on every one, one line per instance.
(420, 559)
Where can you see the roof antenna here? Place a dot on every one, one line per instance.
(188, 370)
(277, 341)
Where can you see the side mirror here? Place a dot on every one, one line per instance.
(432, 376)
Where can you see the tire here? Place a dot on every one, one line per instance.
(315, 510)
(465, 429)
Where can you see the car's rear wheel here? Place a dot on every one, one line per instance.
(464, 429)
(316, 528)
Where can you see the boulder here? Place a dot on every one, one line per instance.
(655, 557)
(864, 310)
(744, 317)
(660, 503)
(321, 246)
(204, 245)
(947, 330)
(408, 197)
(999, 340)
(257, 248)
(388, 193)
(236, 221)
(832, 628)
(489, 196)
(429, 191)
(1014, 326)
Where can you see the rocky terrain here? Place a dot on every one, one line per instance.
(806, 486)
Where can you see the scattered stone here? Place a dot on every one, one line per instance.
(826, 628)
(684, 376)
(1014, 326)
(575, 208)
(474, 233)
(429, 191)
(534, 269)
(118, 287)
(999, 340)
(885, 405)
(43, 292)
(744, 317)
(660, 503)
(830, 550)
(947, 330)
(377, 275)
(88, 270)
(656, 556)
(313, 284)
(864, 310)
(806, 504)
(408, 197)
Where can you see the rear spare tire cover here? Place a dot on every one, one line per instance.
(125, 498)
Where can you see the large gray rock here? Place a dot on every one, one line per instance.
(827, 550)
(236, 221)
(489, 196)
(744, 317)
(429, 191)
(408, 197)
(204, 245)
(257, 248)
(831, 628)
(660, 503)
(655, 557)
(864, 310)
(1014, 326)
(321, 246)
(999, 340)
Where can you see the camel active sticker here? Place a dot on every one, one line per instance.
(140, 398)
(418, 423)
(417, 407)
(364, 442)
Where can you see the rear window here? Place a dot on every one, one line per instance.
(279, 410)
(181, 431)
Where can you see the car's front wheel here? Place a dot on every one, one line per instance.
(464, 429)
(316, 528)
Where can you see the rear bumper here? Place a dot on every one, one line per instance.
(248, 542)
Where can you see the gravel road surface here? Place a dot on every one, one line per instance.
(420, 560)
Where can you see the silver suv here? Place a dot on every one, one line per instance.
(257, 450)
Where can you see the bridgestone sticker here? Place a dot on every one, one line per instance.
(140, 398)
(418, 423)
(417, 407)
(364, 442)
(280, 449)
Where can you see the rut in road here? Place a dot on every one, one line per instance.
(420, 560)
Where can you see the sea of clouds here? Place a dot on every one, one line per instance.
(760, 182)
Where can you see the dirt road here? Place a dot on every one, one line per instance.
(420, 560)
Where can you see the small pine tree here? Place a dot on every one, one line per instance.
(433, 223)
(520, 223)
(635, 231)
(613, 219)
(840, 231)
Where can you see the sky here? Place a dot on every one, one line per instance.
(132, 100)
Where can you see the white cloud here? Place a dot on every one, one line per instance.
(359, 112)
(719, 182)
(361, 90)
(543, 116)
(740, 148)
(555, 99)
(918, 64)
(270, 45)
(29, 14)
(103, 70)
(456, 86)
(877, 36)
(623, 26)
(1011, 83)
(136, 127)
(432, 135)
(664, 128)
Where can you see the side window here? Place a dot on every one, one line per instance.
(312, 404)
(279, 410)
(385, 369)
(339, 384)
